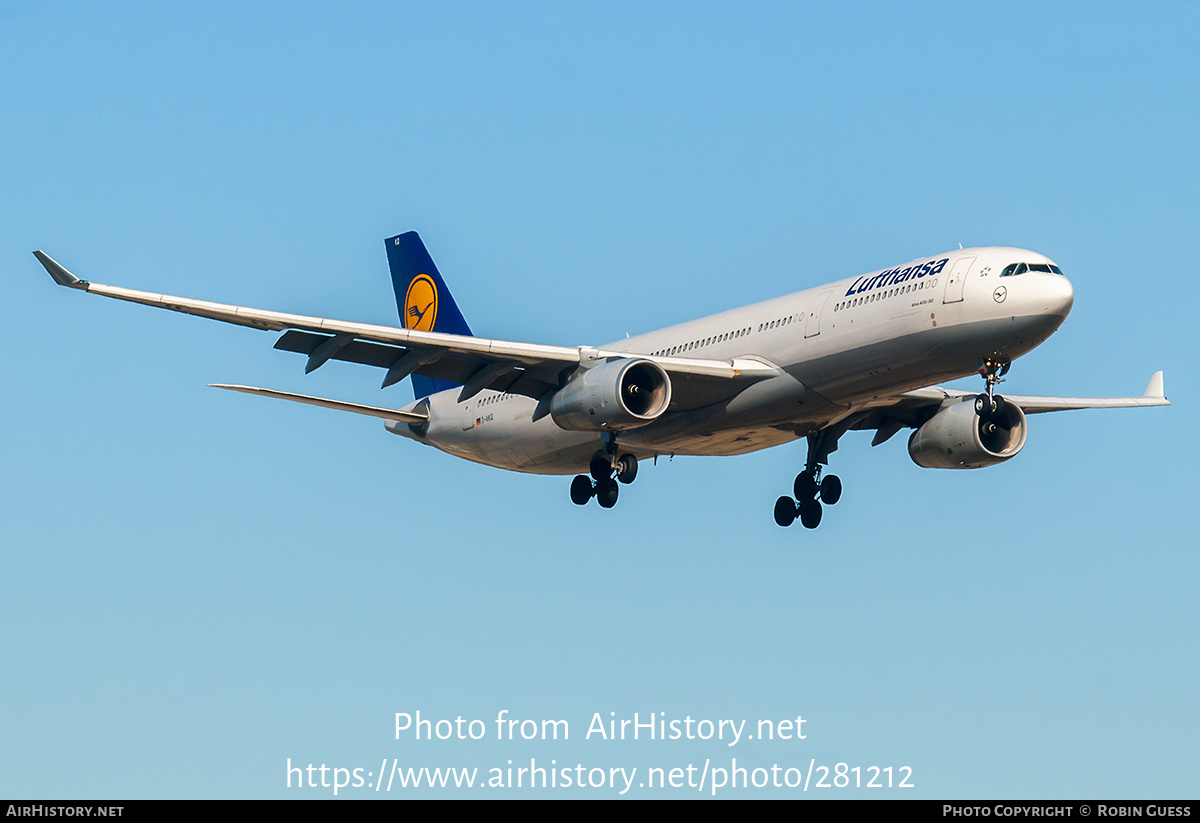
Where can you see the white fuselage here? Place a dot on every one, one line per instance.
(837, 347)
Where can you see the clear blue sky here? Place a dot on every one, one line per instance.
(200, 585)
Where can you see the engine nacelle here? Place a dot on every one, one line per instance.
(623, 394)
(957, 438)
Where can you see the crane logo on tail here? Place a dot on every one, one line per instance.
(421, 303)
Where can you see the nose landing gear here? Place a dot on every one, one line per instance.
(992, 369)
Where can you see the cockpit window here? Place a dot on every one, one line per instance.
(1013, 269)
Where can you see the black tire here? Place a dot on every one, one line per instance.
(985, 405)
(831, 489)
(581, 490)
(606, 493)
(805, 487)
(810, 515)
(601, 466)
(785, 511)
(627, 467)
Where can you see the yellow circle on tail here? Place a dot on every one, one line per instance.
(421, 303)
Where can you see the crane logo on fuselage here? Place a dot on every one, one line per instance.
(421, 303)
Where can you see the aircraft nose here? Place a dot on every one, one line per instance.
(1050, 294)
(1060, 296)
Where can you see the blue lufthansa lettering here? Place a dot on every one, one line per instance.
(891, 277)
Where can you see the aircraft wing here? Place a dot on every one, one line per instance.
(888, 415)
(1032, 404)
(477, 363)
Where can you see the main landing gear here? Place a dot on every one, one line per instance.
(810, 490)
(992, 369)
(607, 469)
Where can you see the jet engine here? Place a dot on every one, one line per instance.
(622, 394)
(959, 438)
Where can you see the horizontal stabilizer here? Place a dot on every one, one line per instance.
(340, 405)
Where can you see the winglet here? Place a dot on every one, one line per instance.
(1155, 387)
(61, 276)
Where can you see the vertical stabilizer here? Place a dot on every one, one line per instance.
(422, 299)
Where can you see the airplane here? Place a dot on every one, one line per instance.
(863, 353)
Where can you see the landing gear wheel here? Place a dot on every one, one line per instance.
(992, 369)
(627, 467)
(805, 487)
(810, 515)
(581, 489)
(601, 466)
(785, 511)
(985, 405)
(606, 493)
(831, 489)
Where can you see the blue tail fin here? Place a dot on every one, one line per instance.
(422, 298)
